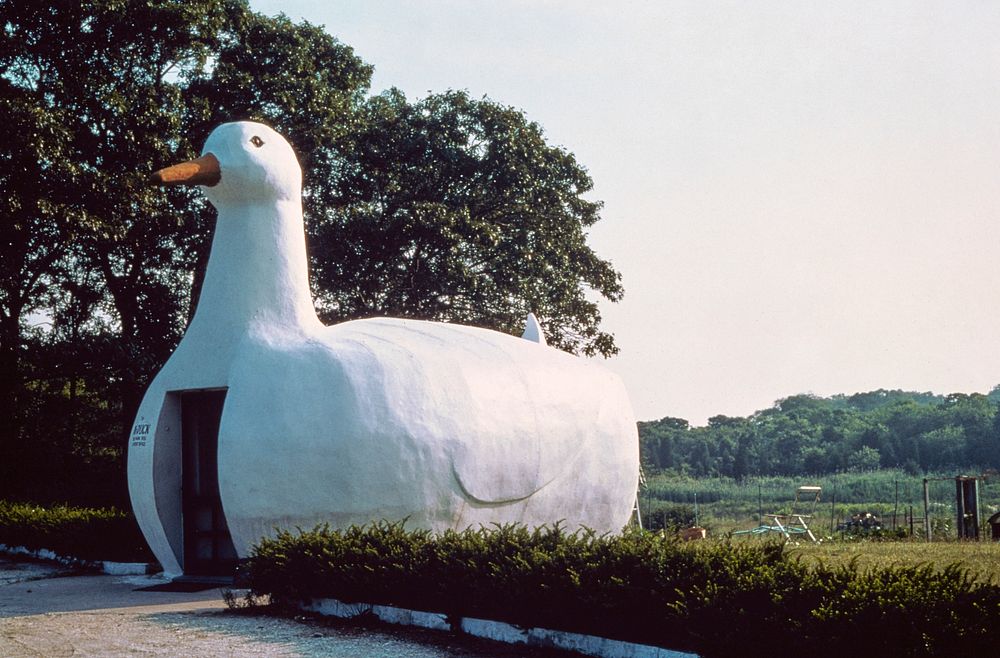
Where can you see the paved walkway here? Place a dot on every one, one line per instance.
(49, 611)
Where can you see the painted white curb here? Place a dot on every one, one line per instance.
(404, 617)
(335, 608)
(588, 645)
(41, 554)
(127, 568)
(110, 568)
(494, 630)
(591, 645)
(387, 613)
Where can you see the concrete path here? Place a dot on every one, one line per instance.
(50, 611)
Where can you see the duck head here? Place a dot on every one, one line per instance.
(241, 161)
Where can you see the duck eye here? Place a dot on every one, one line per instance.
(256, 141)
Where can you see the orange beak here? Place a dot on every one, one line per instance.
(201, 171)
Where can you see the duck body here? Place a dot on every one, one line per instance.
(445, 426)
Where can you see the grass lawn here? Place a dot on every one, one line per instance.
(982, 559)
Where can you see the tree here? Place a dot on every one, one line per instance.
(91, 109)
(976, 415)
(741, 462)
(448, 208)
(96, 95)
(36, 221)
(805, 434)
(864, 458)
(457, 209)
(814, 461)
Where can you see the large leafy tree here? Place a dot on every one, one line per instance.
(97, 95)
(88, 245)
(36, 216)
(448, 208)
(457, 209)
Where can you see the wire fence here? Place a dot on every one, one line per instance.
(890, 499)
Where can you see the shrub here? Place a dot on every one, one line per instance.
(81, 532)
(715, 598)
(669, 517)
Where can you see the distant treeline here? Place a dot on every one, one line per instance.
(807, 435)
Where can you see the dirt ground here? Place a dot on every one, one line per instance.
(50, 611)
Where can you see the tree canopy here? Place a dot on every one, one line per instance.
(809, 435)
(447, 207)
(456, 209)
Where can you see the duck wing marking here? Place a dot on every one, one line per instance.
(508, 417)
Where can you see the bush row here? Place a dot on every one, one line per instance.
(716, 598)
(80, 532)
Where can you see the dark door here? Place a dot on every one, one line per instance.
(208, 547)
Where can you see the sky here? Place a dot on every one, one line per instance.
(802, 197)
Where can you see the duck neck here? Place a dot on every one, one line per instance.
(257, 277)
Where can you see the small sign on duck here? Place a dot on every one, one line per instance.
(264, 418)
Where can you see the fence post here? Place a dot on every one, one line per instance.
(895, 504)
(927, 512)
(959, 508)
(833, 507)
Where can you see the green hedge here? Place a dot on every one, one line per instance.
(80, 532)
(715, 598)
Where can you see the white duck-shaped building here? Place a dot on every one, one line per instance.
(264, 418)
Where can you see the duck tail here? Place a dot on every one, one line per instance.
(533, 330)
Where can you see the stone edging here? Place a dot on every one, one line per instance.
(589, 645)
(110, 568)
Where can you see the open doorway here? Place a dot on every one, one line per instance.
(208, 546)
